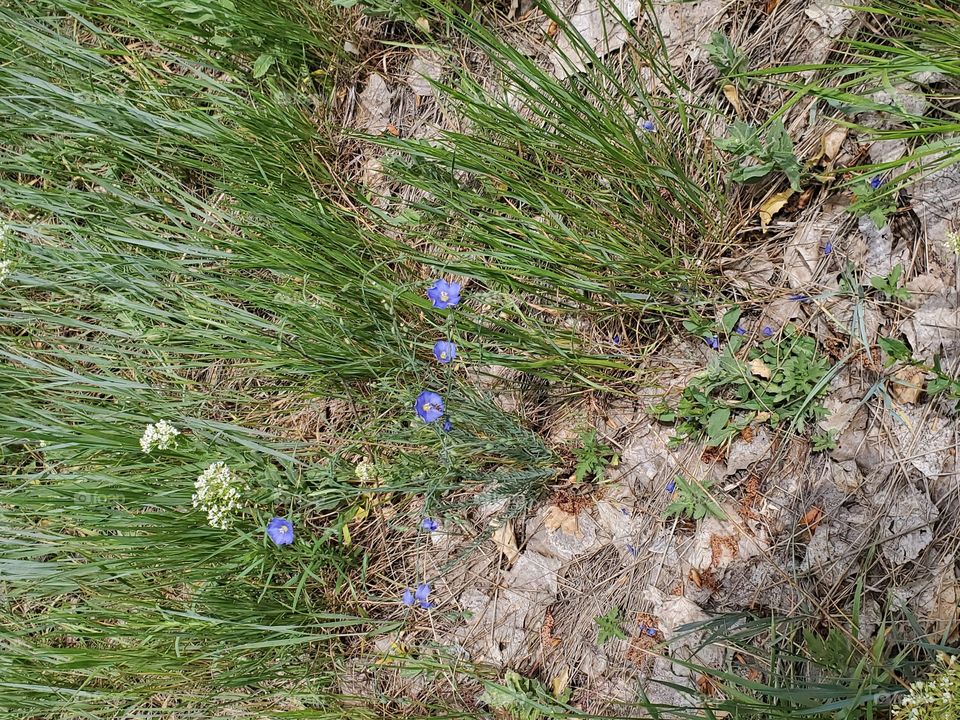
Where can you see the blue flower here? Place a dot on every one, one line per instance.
(616, 339)
(444, 351)
(280, 530)
(625, 511)
(651, 631)
(712, 341)
(799, 298)
(648, 126)
(671, 486)
(828, 248)
(632, 550)
(430, 525)
(447, 425)
(739, 330)
(408, 598)
(875, 182)
(444, 294)
(429, 406)
(422, 596)
(767, 331)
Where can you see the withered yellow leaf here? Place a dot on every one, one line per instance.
(772, 205)
(732, 95)
(759, 368)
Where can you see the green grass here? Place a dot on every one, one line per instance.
(185, 247)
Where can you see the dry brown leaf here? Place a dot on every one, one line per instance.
(907, 385)
(732, 95)
(759, 368)
(556, 519)
(831, 142)
(811, 518)
(762, 417)
(772, 205)
(506, 541)
(423, 24)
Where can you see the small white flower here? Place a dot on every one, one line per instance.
(6, 267)
(159, 436)
(366, 471)
(218, 493)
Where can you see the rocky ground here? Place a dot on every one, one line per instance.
(801, 529)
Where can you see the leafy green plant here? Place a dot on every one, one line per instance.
(777, 382)
(774, 151)
(523, 698)
(889, 285)
(730, 61)
(692, 500)
(823, 441)
(593, 457)
(609, 626)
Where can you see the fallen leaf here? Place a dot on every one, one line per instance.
(506, 541)
(732, 95)
(831, 142)
(560, 682)
(907, 385)
(556, 519)
(772, 205)
(759, 368)
(762, 416)
(811, 518)
(423, 24)
(695, 578)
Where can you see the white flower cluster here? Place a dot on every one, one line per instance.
(953, 241)
(159, 436)
(366, 471)
(218, 493)
(937, 697)
(6, 266)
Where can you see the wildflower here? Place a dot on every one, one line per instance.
(953, 241)
(651, 631)
(280, 531)
(422, 596)
(671, 486)
(444, 351)
(218, 492)
(739, 330)
(6, 267)
(632, 550)
(625, 512)
(713, 342)
(419, 597)
(828, 248)
(444, 294)
(447, 425)
(159, 436)
(616, 340)
(799, 298)
(430, 525)
(365, 471)
(875, 182)
(767, 331)
(648, 126)
(429, 406)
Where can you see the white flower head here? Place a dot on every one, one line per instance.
(218, 493)
(6, 267)
(158, 436)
